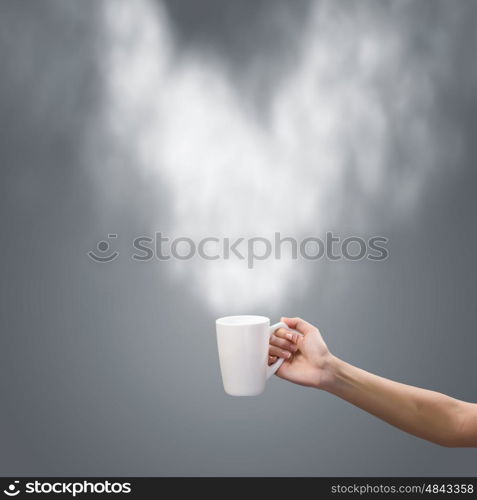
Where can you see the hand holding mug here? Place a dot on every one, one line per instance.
(304, 352)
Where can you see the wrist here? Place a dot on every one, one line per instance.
(329, 373)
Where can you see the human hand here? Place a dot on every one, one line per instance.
(307, 357)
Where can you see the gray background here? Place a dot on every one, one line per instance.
(112, 369)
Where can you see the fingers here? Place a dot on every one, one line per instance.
(284, 340)
(279, 353)
(283, 333)
(272, 359)
(299, 324)
(284, 343)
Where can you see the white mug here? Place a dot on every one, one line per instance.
(243, 353)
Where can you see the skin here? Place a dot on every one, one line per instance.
(426, 414)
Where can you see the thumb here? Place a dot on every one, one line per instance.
(299, 325)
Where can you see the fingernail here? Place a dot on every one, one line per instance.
(293, 347)
(288, 355)
(290, 336)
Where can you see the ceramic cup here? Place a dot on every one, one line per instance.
(243, 353)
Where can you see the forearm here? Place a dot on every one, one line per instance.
(426, 414)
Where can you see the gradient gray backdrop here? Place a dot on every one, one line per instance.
(112, 369)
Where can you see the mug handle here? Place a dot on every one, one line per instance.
(273, 368)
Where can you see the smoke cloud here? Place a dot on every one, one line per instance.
(315, 152)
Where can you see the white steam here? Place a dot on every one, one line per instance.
(232, 173)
